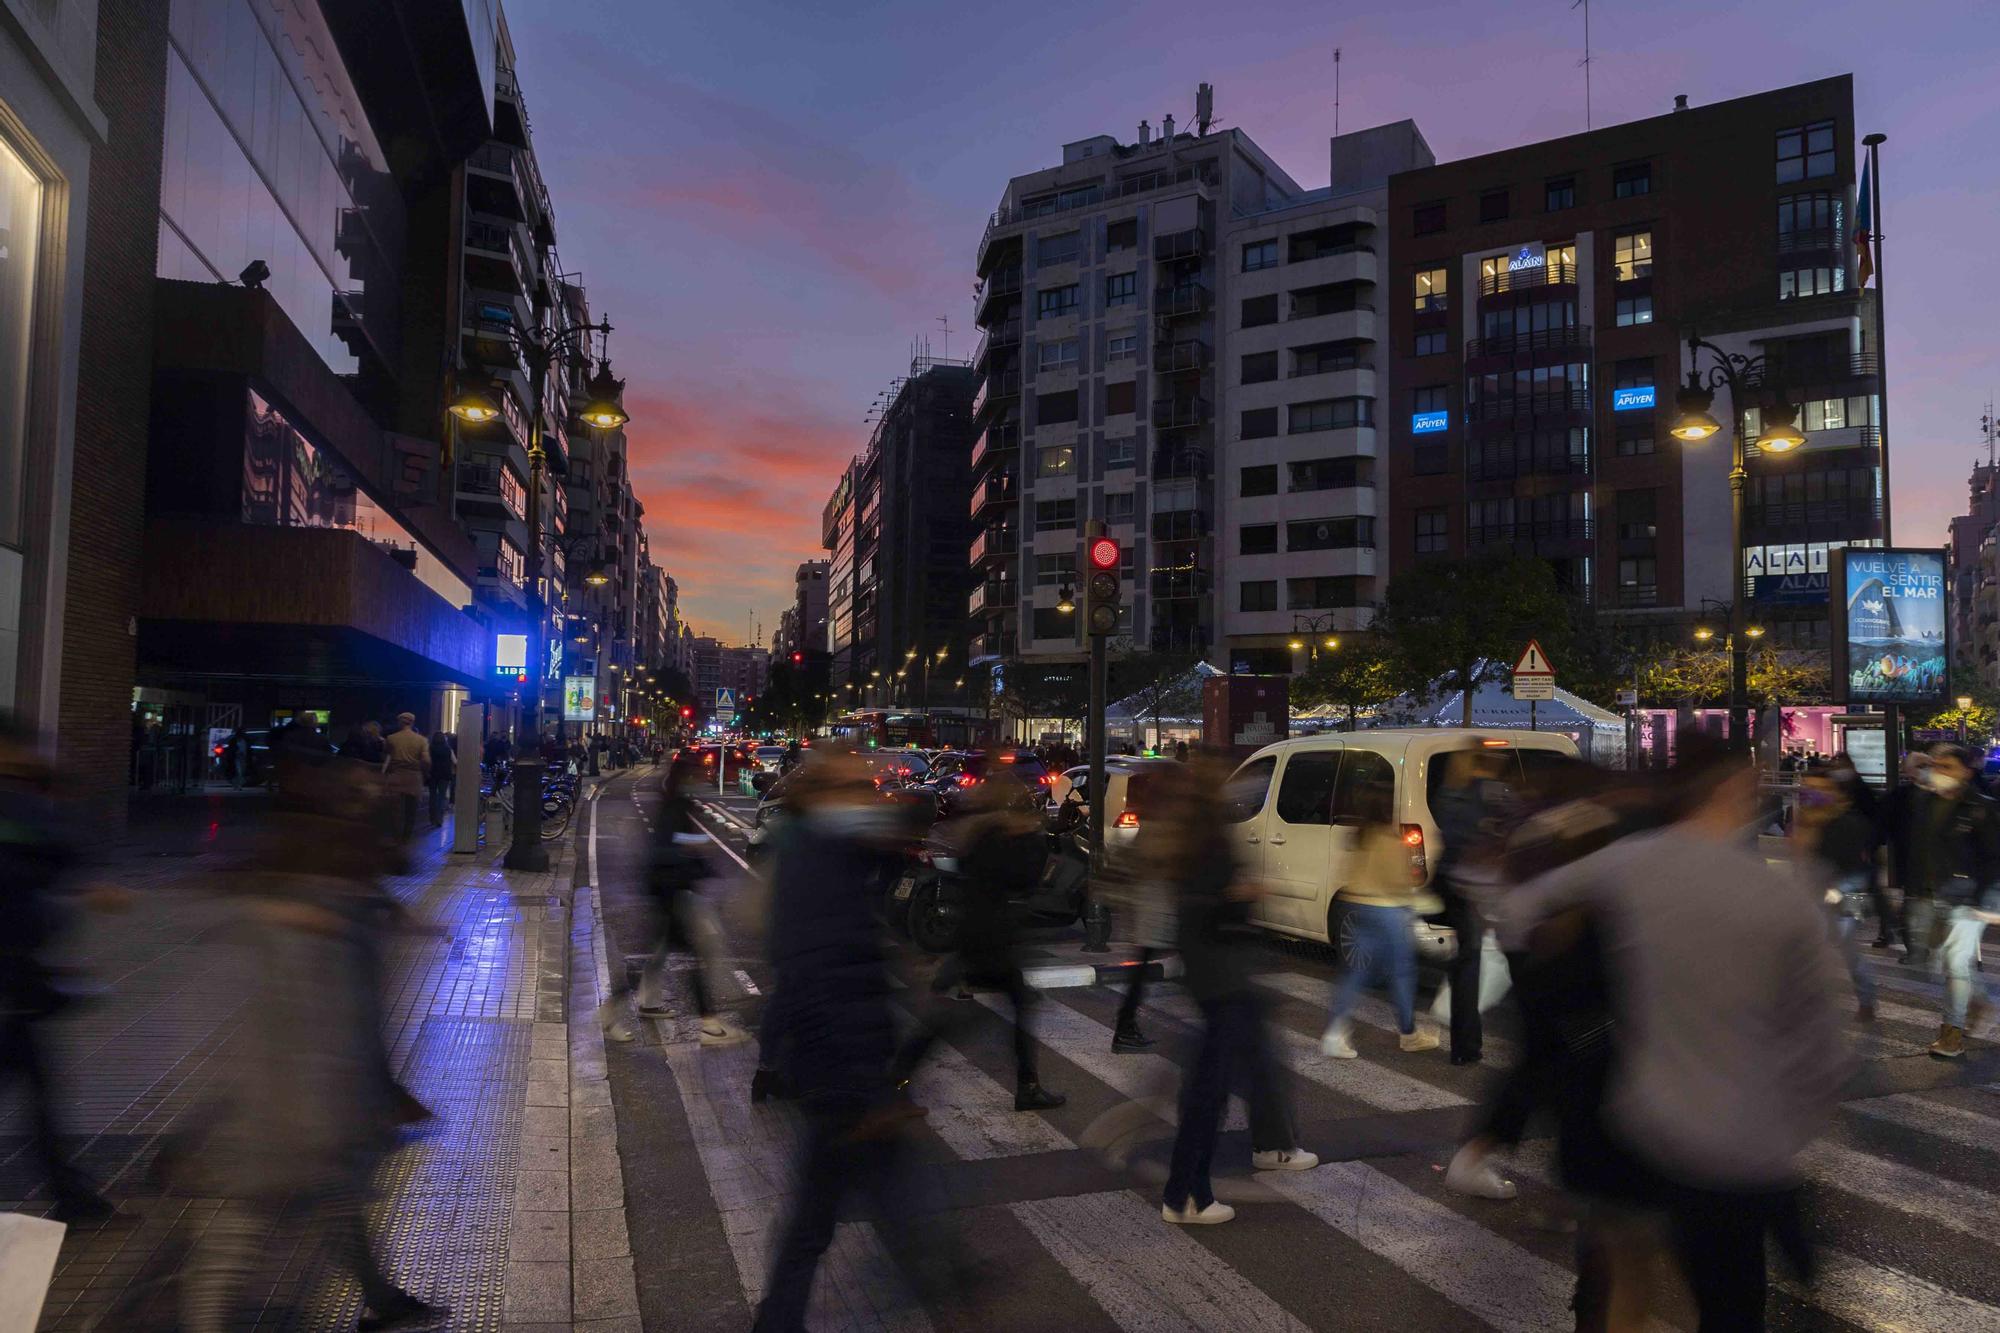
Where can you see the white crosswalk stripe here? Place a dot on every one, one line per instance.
(1946, 1202)
(1885, 1300)
(1495, 1052)
(974, 1114)
(1928, 1116)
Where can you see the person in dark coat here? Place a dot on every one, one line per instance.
(443, 775)
(1465, 803)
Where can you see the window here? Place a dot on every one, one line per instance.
(1260, 254)
(1052, 571)
(1493, 206)
(1330, 414)
(1259, 539)
(1055, 302)
(1632, 373)
(1259, 423)
(1120, 453)
(1050, 623)
(1260, 480)
(1632, 256)
(1055, 515)
(1638, 513)
(1813, 280)
(1631, 310)
(1260, 310)
(1430, 398)
(1320, 358)
(1326, 594)
(1808, 221)
(1632, 180)
(1638, 580)
(1432, 286)
(1806, 152)
(1247, 788)
(1122, 348)
(1328, 474)
(1056, 354)
(1427, 219)
(1053, 409)
(1367, 788)
(1259, 595)
(1061, 249)
(1121, 236)
(1632, 444)
(1559, 194)
(1120, 398)
(1433, 531)
(1559, 262)
(1121, 289)
(1118, 506)
(1259, 367)
(1305, 793)
(1057, 462)
(1330, 534)
(1430, 342)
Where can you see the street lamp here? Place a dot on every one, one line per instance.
(1964, 702)
(1304, 628)
(1745, 377)
(542, 347)
(1066, 599)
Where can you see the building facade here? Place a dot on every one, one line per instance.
(1542, 302)
(1969, 534)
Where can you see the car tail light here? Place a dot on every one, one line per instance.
(1413, 838)
(1127, 819)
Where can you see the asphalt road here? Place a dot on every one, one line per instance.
(1905, 1184)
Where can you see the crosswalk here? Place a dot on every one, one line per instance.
(1909, 1181)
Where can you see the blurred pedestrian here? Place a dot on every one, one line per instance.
(1955, 859)
(1465, 805)
(443, 775)
(1835, 861)
(1896, 816)
(1380, 901)
(1729, 1054)
(1002, 850)
(1190, 846)
(406, 768)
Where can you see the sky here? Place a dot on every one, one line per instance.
(772, 202)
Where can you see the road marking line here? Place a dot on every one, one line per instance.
(726, 849)
(743, 980)
(1939, 1119)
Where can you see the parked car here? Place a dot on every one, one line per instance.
(1297, 814)
(956, 771)
(893, 771)
(1126, 778)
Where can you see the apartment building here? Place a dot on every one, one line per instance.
(1543, 301)
(1154, 314)
(1969, 532)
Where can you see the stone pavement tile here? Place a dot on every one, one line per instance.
(593, 1094)
(548, 1094)
(539, 1236)
(541, 1191)
(603, 1289)
(544, 1152)
(536, 1290)
(599, 1234)
(551, 1042)
(591, 1122)
(621, 1324)
(588, 1192)
(545, 1122)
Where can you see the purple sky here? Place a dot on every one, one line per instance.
(771, 202)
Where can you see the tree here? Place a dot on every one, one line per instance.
(1454, 624)
(1699, 677)
(1358, 674)
(1060, 690)
(1978, 720)
(1593, 655)
(1157, 684)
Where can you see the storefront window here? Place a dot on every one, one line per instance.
(20, 225)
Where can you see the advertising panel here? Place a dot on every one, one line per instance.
(510, 656)
(578, 697)
(1890, 629)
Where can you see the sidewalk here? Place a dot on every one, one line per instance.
(474, 1213)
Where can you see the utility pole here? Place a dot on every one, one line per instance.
(1103, 558)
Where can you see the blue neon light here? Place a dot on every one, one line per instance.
(1625, 400)
(1427, 423)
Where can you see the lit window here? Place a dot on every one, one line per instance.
(1632, 256)
(1432, 287)
(1559, 262)
(1806, 152)
(1812, 280)
(1059, 461)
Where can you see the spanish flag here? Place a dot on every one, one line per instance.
(1864, 229)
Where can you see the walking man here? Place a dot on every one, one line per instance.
(1955, 857)
(406, 768)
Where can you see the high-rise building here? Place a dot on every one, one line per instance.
(1969, 532)
(809, 606)
(1169, 326)
(1542, 299)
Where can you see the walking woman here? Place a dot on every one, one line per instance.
(1380, 902)
(1189, 847)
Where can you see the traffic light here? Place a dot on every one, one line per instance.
(687, 712)
(798, 658)
(1102, 590)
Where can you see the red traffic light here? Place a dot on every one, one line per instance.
(1104, 553)
(687, 712)
(797, 658)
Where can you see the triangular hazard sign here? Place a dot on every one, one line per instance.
(1534, 662)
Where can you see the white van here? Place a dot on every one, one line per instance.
(1297, 810)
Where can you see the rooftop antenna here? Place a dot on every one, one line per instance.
(1204, 107)
(1336, 92)
(1989, 426)
(1584, 5)
(944, 322)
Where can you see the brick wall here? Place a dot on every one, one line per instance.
(114, 387)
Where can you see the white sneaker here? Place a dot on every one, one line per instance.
(1284, 1159)
(1476, 1175)
(1190, 1216)
(722, 1032)
(611, 1017)
(1425, 1038)
(1335, 1041)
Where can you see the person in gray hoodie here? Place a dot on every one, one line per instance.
(1729, 1053)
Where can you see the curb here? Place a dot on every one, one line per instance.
(1061, 976)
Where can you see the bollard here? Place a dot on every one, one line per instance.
(1096, 926)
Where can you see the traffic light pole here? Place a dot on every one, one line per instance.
(1097, 917)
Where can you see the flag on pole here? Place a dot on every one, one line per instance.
(1864, 228)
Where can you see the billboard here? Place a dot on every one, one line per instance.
(1890, 627)
(510, 656)
(579, 697)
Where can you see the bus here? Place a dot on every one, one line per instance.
(878, 728)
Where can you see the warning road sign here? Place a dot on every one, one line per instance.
(1534, 675)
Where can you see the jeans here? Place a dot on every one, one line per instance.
(942, 1017)
(1467, 1033)
(1233, 1049)
(1388, 951)
(1846, 923)
(1956, 959)
(440, 801)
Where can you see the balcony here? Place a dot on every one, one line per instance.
(1810, 238)
(991, 597)
(998, 443)
(1078, 197)
(1532, 535)
(998, 489)
(1532, 405)
(1180, 300)
(1521, 279)
(1006, 333)
(1181, 356)
(1850, 518)
(1180, 412)
(483, 489)
(493, 256)
(1501, 465)
(999, 386)
(996, 248)
(1796, 372)
(1841, 438)
(1573, 339)
(994, 544)
(1180, 461)
(1004, 283)
(1189, 244)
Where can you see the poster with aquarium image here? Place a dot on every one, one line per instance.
(1890, 630)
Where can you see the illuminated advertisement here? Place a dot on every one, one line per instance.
(1890, 629)
(1426, 423)
(510, 656)
(1630, 400)
(578, 698)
